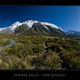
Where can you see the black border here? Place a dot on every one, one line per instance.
(9, 74)
(40, 2)
(39, 74)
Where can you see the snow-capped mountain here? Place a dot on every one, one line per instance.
(73, 33)
(33, 27)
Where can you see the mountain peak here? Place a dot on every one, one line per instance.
(30, 22)
(32, 26)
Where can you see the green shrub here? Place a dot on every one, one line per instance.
(47, 61)
(71, 61)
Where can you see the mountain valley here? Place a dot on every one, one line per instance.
(35, 45)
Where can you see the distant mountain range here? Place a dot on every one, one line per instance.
(31, 27)
(73, 33)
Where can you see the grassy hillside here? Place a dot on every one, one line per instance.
(39, 52)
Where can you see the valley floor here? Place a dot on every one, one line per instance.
(39, 53)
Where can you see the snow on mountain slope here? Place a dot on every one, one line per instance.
(1, 29)
(73, 33)
(52, 25)
(15, 25)
(46, 23)
(12, 27)
(30, 24)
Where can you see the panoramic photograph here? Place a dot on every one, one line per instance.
(39, 37)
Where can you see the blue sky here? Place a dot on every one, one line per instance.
(66, 17)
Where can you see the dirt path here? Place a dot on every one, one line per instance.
(12, 42)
